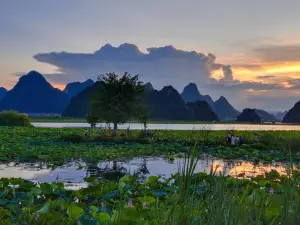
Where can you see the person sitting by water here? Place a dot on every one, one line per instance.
(241, 140)
(100, 131)
(229, 135)
(232, 140)
(237, 140)
(86, 132)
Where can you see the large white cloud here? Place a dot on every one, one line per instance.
(160, 65)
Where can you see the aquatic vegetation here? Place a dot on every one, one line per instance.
(27, 144)
(184, 198)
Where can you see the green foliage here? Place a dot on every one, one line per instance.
(72, 138)
(118, 99)
(13, 118)
(59, 145)
(184, 198)
(92, 119)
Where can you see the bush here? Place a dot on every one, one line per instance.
(13, 118)
(73, 138)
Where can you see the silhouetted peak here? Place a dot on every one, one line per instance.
(2, 89)
(148, 86)
(191, 88)
(249, 115)
(222, 99)
(89, 81)
(168, 89)
(74, 88)
(32, 78)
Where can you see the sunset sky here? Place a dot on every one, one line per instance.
(260, 40)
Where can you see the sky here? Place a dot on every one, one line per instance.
(247, 51)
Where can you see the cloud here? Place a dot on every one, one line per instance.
(245, 85)
(265, 77)
(278, 53)
(159, 65)
(227, 72)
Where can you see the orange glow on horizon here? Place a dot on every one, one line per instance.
(59, 86)
(279, 70)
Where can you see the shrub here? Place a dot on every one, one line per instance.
(13, 118)
(73, 138)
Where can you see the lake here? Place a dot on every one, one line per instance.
(152, 126)
(72, 174)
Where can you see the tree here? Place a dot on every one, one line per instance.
(143, 116)
(118, 98)
(92, 119)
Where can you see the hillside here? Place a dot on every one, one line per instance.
(265, 116)
(3, 92)
(191, 94)
(249, 115)
(80, 104)
(33, 94)
(293, 115)
(225, 110)
(201, 111)
(75, 88)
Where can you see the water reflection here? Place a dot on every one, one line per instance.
(152, 126)
(72, 174)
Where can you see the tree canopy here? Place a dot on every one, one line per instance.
(118, 98)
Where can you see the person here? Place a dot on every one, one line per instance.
(109, 131)
(128, 132)
(86, 132)
(237, 140)
(256, 138)
(100, 131)
(241, 140)
(232, 140)
(117, 133)
(229, 135)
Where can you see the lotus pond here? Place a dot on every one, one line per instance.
(184, 198)
(46, 145)
(148, 182)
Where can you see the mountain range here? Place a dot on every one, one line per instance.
(72, 89)
(33, 94)
(191, 94)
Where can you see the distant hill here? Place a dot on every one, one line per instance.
(201, 111)
(74, 88)
(249, 115)
(3, 92)
(33, 94)
(80, 104)
(225, 110)
(166, 104)
(149, 87)
(265, 116)
(293, 115)
(191, 94)
(279, 115)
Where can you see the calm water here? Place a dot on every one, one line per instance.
(137, 126)
(72, 174)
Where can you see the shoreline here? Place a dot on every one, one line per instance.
(175, 126)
